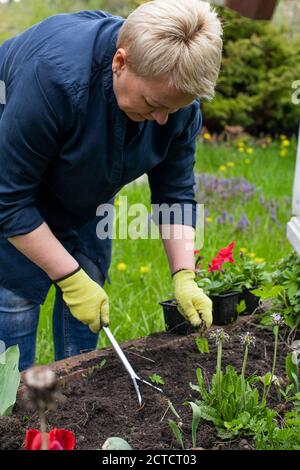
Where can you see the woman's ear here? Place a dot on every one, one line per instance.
(120, 60)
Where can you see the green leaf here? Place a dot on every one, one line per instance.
(291, 367)
(202, 388)
(9, 379)
(241, 307)
(266, 379)
(226, 434)
(208, 413)
(195, 422)
(176, 431)
(156, 379)
(172, 408)
(202, 344)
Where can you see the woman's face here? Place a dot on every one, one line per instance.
(142, 98)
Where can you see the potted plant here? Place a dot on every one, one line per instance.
(220, 285)
(249, 275)
(174, 321)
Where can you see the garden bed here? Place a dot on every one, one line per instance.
(101, 401)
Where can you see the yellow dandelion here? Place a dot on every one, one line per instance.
(230, 164)
(241, 149)
(144, 269)
(250, 151)
(222, 168)
(283, 153)
(207, 136)
(208, 219)
(244, 250)
(252, 255)
(121, 267)
(285, 143)
(283, 137)
(247, 161)
(259, 260)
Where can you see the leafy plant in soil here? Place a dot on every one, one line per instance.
(285, 436)
(230, 402)
(9, 379)
(283, 292)
(156, 379)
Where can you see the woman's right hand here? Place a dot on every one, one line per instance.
(87, 300)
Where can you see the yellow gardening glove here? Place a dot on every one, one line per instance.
(193, 304)
(86, 299)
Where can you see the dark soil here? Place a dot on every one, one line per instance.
(103, 402)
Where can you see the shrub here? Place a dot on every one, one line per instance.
(260, 64)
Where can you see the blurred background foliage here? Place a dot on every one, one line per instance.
(261, 61)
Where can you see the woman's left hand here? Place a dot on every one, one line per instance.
(193, 304)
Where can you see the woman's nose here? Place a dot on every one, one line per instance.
(161, 117)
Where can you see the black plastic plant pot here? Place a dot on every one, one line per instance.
(224, 308)
(251, 301)
(174, 321)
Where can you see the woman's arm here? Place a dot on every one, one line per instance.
(43, 249)
(179, 245)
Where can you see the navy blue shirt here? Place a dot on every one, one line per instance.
(64, 149)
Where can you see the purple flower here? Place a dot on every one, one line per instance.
(277, 319)
(243, 223)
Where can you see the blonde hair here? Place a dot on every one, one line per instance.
(182, 38)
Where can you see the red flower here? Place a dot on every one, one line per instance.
(226, 254)
(58, 439)
(196, 252)
(216, 264)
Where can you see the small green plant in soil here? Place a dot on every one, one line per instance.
(230, 402)
(283, 436)
(283, 292)
(176, 426)
(156, 379)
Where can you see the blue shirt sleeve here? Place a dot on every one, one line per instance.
(172, 181)
(37, 113)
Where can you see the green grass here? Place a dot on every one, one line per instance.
(134, 308)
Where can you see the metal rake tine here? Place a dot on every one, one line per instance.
(153, 386)
(137, 389)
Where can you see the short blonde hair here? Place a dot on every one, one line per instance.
(182, 38)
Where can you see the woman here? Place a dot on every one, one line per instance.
(93, 101)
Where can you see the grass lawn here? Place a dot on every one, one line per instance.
(254, 213)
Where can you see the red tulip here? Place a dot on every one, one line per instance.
(58, 439)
